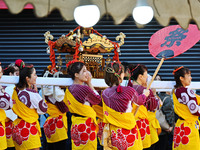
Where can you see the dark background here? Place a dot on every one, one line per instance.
(22, 37)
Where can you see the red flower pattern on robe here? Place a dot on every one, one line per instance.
(51, 125)
(124, 139)
(83, 132)
(181, 135)
(22, 131)
(143, 126)
(2, 131)
(100, 132)
(9, 127)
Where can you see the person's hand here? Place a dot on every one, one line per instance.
(169, 130)
(154, 91)
(89, 78)
(146, 92)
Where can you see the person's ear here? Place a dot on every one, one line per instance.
(181, 79)
(76, 75)
(140, 76)
(27, 79)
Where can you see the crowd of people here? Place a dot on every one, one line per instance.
(118, 117)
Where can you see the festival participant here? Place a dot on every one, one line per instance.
(5, 104)
(28, 104)
(55, 126)
(117, 108)
(186, 106)
(10, 115)
(80, 98)
(145, 116)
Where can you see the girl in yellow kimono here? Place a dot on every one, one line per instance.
(117, 107)
(5, 104)
(55, 127)
(28, 104)
(80, 97)
(186, 106)
(145, 116)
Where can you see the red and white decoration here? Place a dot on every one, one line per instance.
(83, 132)
(51, 125)
(181, 135)
(22, 131)
(143, 126)
(124, 138)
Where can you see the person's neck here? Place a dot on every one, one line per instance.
(78, 82)
(114, 85)
(22, 88)
(137, 82)
(181, 86)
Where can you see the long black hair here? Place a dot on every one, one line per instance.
(180, 72)
(24, 72)
(8, 70)
(136, 70)
(75, 68)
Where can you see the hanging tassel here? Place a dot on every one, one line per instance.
(130, 83)
(119, 89)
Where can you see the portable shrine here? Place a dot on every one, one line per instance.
(83, 44)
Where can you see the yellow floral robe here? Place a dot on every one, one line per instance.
(26, 128)
(155, 128)
(3, 143)
(9, 126)
(186, 132)
(55, 127)
(124, 133)
(143, 125)
(84, 125)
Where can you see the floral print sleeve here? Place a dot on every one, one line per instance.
(32, 99)
(187, 96)
(5, 101)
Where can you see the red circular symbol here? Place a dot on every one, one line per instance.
(33, 130)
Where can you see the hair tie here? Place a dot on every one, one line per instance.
(116, 73)
(119, 89)
(177, 70)
(135, 68)
(22, 65)
(30, 66)
(72, 61)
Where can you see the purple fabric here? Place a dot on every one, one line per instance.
(31, 90)
(32, 99)
(187, 97)
(152, 102)
(83, 93)
(60, 105)
(5, 101)
(24, 97)
(43, 106)
(119, 101)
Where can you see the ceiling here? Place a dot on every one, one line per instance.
(183, 11)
